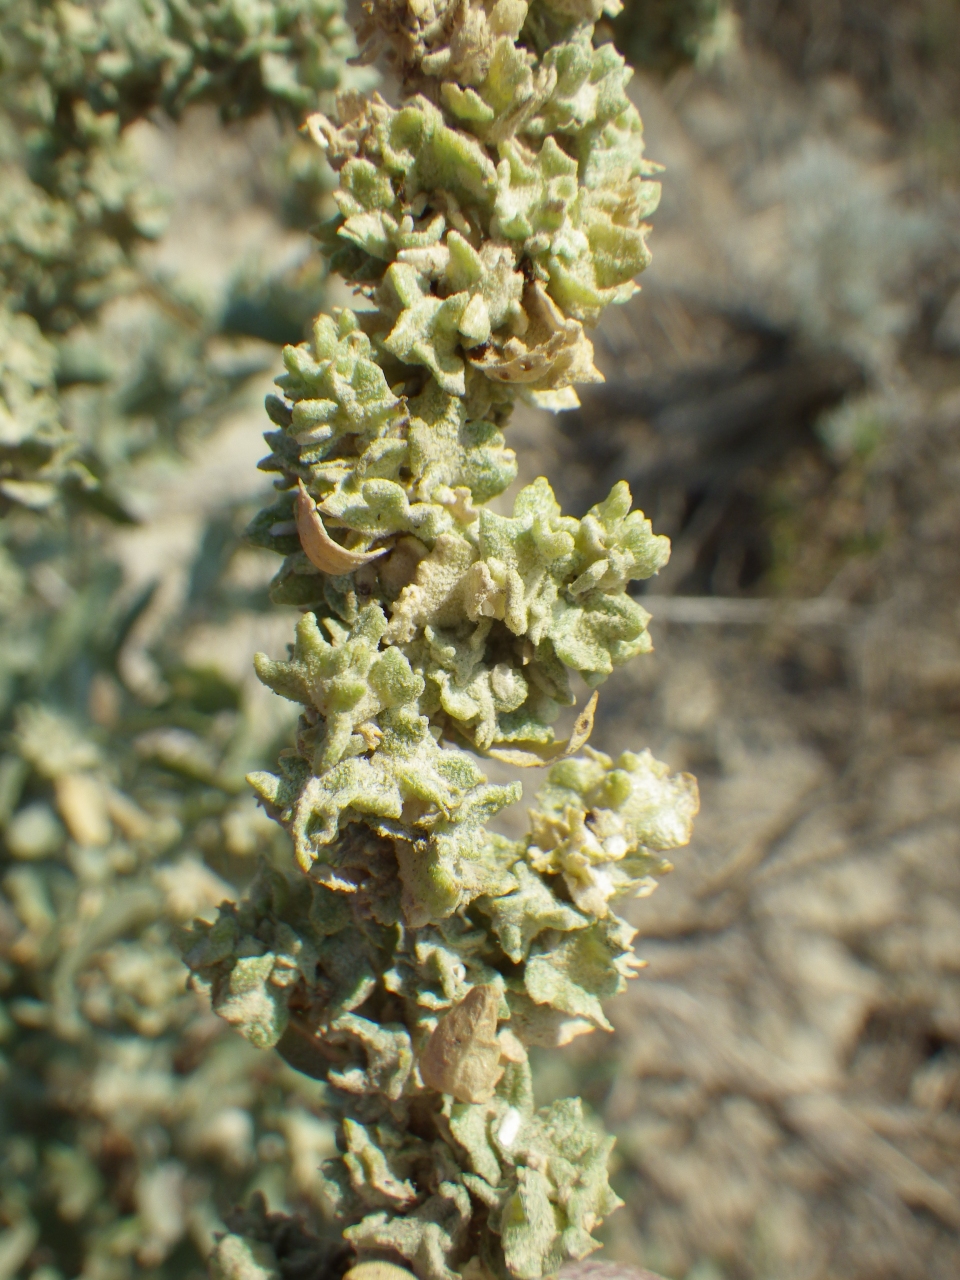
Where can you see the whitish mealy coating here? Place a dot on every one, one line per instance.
(601, 827)
(486, 627)
(489, 611)
(488, 219)
(349, 974)
(491, 224)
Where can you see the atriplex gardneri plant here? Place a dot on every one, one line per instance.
(485, 222)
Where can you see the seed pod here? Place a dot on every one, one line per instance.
(320, 549)
(462, 1056)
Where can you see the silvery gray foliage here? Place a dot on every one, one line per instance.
(74, 204)
(488, 219)
(73, 77)
(131, 1122)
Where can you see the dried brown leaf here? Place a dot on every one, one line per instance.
(462, 1056)
(320, 549)
(582, 730)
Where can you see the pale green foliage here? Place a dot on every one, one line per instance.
(488, 218)
(375, 463)
(130, 1124)
(31, 430)
(75, 206)
(301, 964)
(277, 939)
(401, 771)
(234, 1258)
(487, 231)
(550, 1214)
(488, 610)
(119, 54)
(78, 411)
(601, 827)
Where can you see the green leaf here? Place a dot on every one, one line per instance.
(574, 973)
(528, 1227)
(519, 917)
(252, 1003)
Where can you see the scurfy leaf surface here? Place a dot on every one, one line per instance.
(487, 220)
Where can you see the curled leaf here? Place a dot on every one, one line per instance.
(320, 549)
(582, 730)
(553, 353)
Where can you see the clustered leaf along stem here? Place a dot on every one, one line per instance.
(485, 223)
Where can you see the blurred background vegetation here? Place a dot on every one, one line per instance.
(784, 399)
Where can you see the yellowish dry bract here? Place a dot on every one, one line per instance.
(462, 1056)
